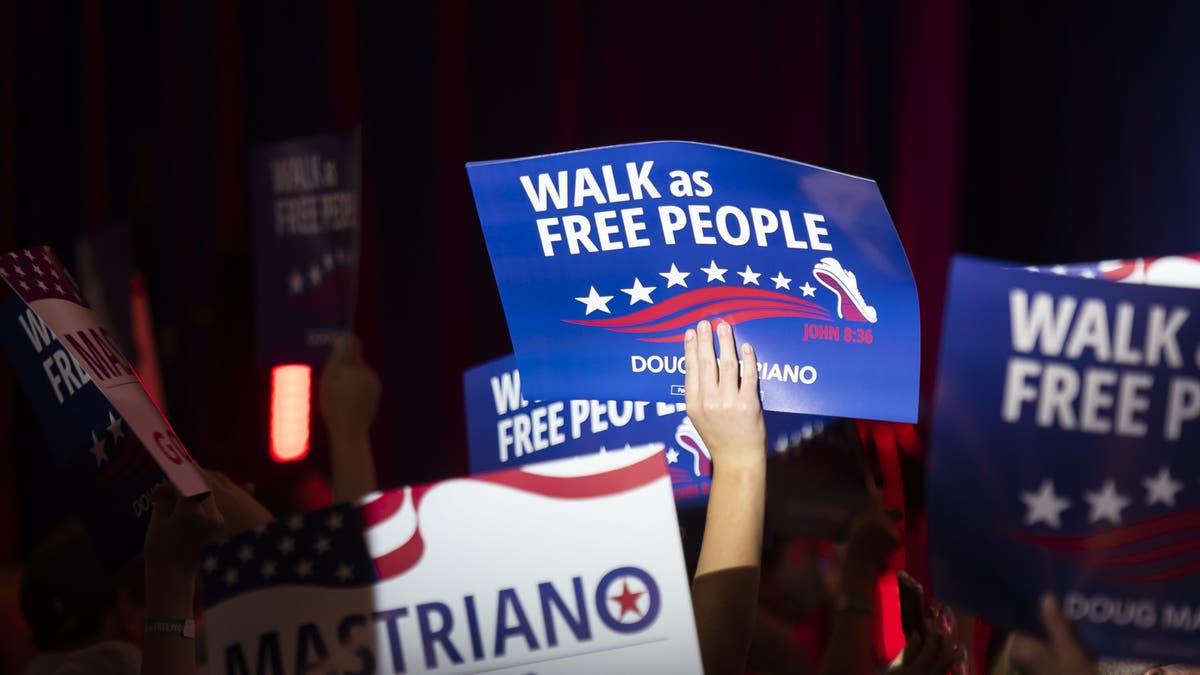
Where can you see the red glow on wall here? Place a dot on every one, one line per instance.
(290, 395)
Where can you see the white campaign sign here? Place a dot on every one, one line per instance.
(569, 566)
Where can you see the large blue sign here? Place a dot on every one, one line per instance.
(110, 473)
(506, 430)
(1063, 456)
(305, 195)
(604, 257)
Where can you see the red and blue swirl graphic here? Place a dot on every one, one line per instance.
(1152, 551)
(667, 321)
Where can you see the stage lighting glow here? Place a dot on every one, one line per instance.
(290, 395)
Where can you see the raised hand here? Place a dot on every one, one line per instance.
(1060, 654)
(724, 406)
(722, 397)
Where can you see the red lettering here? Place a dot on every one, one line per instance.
(111, 352)
(90, 355)
(166, 445)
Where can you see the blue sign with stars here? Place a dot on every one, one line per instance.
(505, 430)
(109, 472)
(605, 257)
(1063, 456)
(305, 197)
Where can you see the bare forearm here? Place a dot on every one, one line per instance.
(725, 590)
(169, 597)
(353, 466)
(850, 649)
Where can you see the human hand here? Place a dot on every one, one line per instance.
(930, 652)
(349, 391)
(240, 510)
(871, 538)
(1061, 655)
(723, 404)
(178, 530)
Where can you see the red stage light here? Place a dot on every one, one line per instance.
(290, 395)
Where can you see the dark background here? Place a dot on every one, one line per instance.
(1038, 132)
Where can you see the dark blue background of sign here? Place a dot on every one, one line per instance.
(284, 321)
(980, 465)
(782, 428)
(563, 361)
(106, 506)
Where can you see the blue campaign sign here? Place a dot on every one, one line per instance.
(305, 196)
(506, 430)
(1063, 457)
(604, 257)
(110, 473)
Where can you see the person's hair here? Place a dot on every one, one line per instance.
(104, 658)
(66, 591)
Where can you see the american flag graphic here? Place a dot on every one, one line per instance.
(1137, 530)
(379, 538)
(719, 293)
(36, 274)
(1182, 271)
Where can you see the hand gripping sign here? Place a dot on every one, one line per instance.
(1063, 455)
(604, 257)
(41, 281)
(569, 566)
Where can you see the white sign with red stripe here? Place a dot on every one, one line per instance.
(39, 279)
(570, 566)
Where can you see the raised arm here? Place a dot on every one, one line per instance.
(724, 406)
(179, 528)
(349, 399)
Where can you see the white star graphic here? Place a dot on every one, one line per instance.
(327, 261)
(672, 456)
(714, 272)
(210, 564)
(42, 285)
(52, 272)
(1058, 269)
(1088, 274)
(334, 522)
(782, 282)
(287, 545)
(781, 443)
(59, 288)
(23, 284)
(1044, 506)
(314, 275)
(267, 570)
(18, 270)
(639, 293)
(230, 577)
(28, 254)
(304, 568)
(1161, 488)
(808, 289)
(114, 427)
(675, 277)
(1106, 504)
(595, 302)
(245, 553)
(749, 276)
(344, 573)
(97, 449)
(321, 545)
(295, 522)
(296, 283)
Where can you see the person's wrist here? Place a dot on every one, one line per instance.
(170, 593)
(860, 578)
(747, 463)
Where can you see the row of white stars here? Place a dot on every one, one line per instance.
(287, 546)
(270, 568)
(98, 448)
(594, 302)
(1061, 271)
(1045, 506)
(316, 272)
